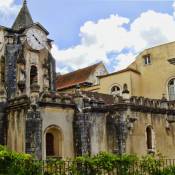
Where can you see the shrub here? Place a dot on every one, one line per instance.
(13, 163)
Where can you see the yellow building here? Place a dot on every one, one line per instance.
(151, 75)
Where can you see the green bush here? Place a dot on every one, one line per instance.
(12, 163)
(103, 163)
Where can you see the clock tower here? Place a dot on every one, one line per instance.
(26, 61)
(27, 70)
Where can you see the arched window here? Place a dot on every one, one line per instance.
(115, 90)
(150, 139)
(33, 75)
(53, 142)
(171, 89)
(49, 144)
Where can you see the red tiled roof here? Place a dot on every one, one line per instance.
(73, 78)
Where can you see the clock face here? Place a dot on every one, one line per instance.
(1, 40)
(36, 39)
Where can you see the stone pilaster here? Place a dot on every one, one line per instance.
(3, 123)
(11, 55)
(121, 133)
(34, 133)
(82, 134)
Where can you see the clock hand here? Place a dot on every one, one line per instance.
(36, 39)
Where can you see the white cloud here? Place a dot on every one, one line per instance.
(8, 9)
(150, 29)
(97, 40)
(100, 38)
(123, 60)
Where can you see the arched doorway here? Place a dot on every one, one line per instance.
(53, 142)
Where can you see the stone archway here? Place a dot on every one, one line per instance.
(53, 141)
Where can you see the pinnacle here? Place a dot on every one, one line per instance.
(24, 1)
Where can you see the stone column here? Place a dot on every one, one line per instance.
(121, 133)
(34, 125)
(33, 140)
(82, 134)
(10, 68)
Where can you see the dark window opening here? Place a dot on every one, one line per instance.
(49, 144)
(147, 59)
(171, 89)
(149, 138)
(33, 75)
(115, 89)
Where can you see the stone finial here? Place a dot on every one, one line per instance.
(125, 89)
(78, 92)
(117, 99)
(163, 97)
(164, 103)
(125, 92)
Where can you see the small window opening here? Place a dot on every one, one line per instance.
(171, 89)
(33, 75)
(147, 59)
(149, 137)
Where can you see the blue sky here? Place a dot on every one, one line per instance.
(89, 31)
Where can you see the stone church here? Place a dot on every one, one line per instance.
(37, 119)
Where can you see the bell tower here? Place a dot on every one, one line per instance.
(26, 61)
(27, 70)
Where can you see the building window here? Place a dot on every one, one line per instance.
(49, 144)
(147, 59)
(33, 75)
(171, 89)
(150, 139)
(115, 90)
(53, 142)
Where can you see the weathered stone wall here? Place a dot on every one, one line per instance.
(98, 133)
(61, 118)
(16, 130)
(164, 134)
(16, 118)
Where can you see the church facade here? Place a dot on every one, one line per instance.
(36, 119)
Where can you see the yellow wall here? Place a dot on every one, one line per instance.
(153, 79)
(107, 82)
